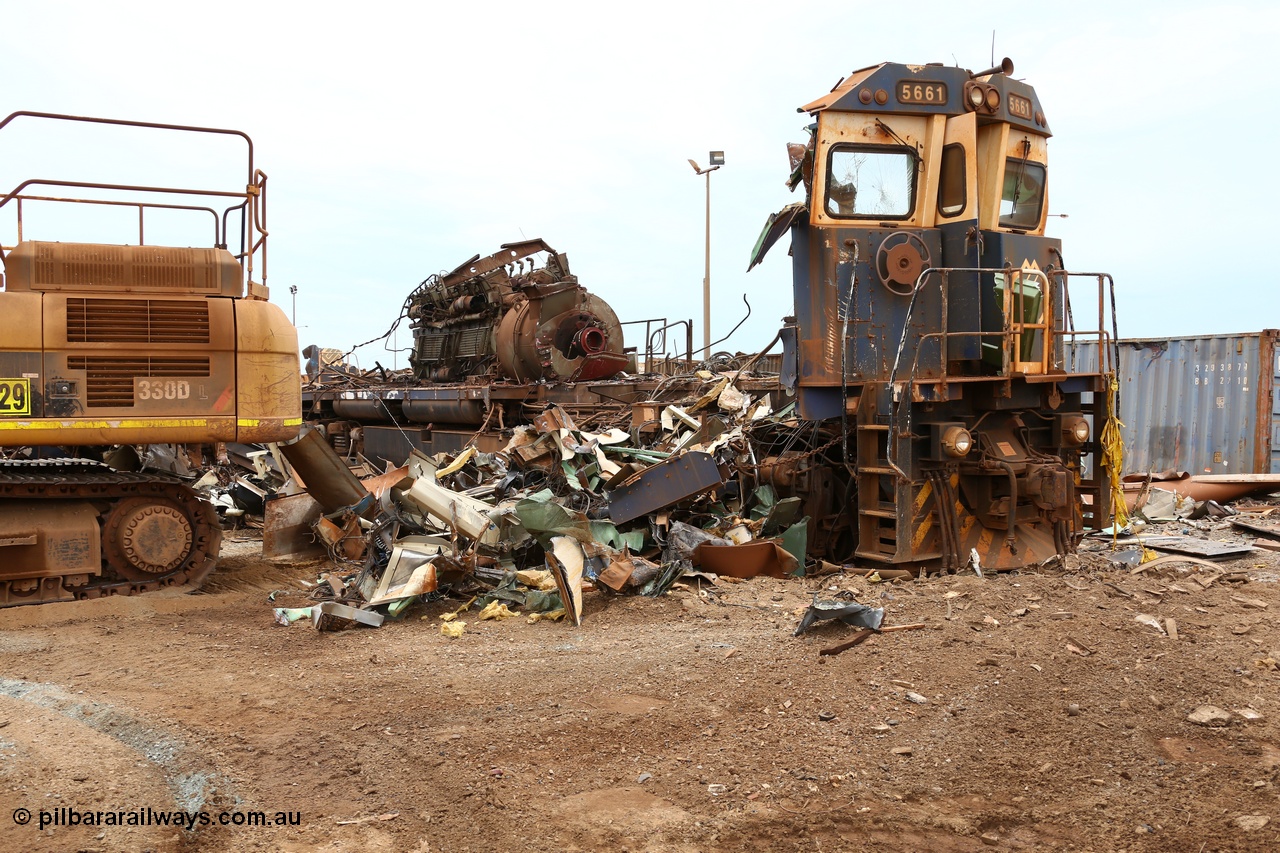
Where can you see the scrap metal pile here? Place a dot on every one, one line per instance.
(560, 509)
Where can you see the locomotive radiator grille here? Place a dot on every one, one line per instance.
(431, 347)
(473, 342)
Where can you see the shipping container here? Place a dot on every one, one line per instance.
(1206, 404)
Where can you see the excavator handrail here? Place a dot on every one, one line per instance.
(253, 195)
(132, 123)
(119, 203)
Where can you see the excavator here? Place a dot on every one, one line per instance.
(105, 346)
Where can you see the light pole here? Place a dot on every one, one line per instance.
(293, 293)
(716, 160)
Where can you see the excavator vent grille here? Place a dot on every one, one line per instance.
(109, 381)
(137, 321)
(97, 267)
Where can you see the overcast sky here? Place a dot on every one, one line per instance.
(401, 140)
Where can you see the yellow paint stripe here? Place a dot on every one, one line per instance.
(108, 424)
(255, 422)
(921, 532)
(960, 511)
(923, 495)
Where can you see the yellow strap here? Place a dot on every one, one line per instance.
(1113, 458)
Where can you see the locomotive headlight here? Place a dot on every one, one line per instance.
(956, 441)
(976, 97)
(993, 99)
(1075, 430)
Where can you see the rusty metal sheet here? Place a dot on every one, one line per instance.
(1192, 545)
(323, 472)
(669, 482)
(286, 527)
(1265, 526)
(762, 557)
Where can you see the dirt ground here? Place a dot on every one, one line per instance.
(1050, 720)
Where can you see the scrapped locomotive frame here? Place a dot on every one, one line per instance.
(537, 322)
(923, 415)
(126, 345)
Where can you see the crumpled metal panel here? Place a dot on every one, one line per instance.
(669, 482)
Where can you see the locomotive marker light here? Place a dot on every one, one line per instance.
(1074, 430)
(956, 441)
(715, 161)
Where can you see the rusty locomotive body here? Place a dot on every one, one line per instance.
(931, 317)
(924, 411)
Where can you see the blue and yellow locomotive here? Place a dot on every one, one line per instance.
(933, 324)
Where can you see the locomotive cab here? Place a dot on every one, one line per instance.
(931, 317)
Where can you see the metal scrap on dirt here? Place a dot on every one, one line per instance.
(559, 510)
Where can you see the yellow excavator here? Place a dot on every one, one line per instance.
(104, 345)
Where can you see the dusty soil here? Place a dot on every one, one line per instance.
(694, 722)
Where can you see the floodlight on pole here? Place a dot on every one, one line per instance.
(715, 161)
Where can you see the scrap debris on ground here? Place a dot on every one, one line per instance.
(566, 510)
(573, 509)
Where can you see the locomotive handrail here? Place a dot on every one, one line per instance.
(1101, 333)
(1010, 334)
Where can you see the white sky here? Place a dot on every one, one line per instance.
(401, 140)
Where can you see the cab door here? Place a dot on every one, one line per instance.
(956, 216)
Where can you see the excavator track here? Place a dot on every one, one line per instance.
(154, 531)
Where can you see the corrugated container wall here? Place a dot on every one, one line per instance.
(1207, 405)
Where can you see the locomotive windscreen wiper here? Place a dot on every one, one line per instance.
(898, 139)
(1019, 185)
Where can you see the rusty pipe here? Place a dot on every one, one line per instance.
(1012, 519)
(590, 340)
(466, 305)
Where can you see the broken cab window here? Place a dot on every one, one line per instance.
(1023, 194)
(871, 182)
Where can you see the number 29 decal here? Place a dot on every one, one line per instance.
(15, 397)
